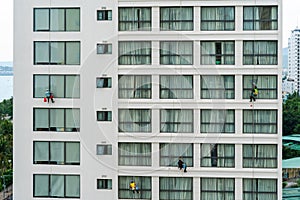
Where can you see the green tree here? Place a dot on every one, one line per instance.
(291, 113)
(6, 108)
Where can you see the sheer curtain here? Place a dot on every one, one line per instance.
(171, 188)
(72, 152)
(134, 87)
(134, 120)
(260, 52)
(267, 86)
(225, 155)
(176, 53)
(72, 186)
(57, 186)
(210, 54)
(41, 84)
(217, 87)
(135, 154)
(57, 86)
(57, 119)
(72, 89)
(72, 19)
(217, 18)
(217, 121)
(41, 152)
(260, 121)
(170, 153)
(260, 156)
(135, 53)
(144, 183)
(176, 87)
(57, 153)
(41, 119)
(135, 19)
(176, 121)
(73, 53)
(260, 18)
(176, 19)
(265, 189)
(41, 185)
(217, 188)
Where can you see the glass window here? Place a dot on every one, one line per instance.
(104, 48)
(176, 53)
(57, 186)
(266, 84)
(134, 120)
(56, 19)
(143, 183)
(103, 82)
(217, 155)
(104, 149)
(135, 19)
(217, 188)
(56, 153)
(260, 53)
(104, 15)
(104, 184)
(260, 121)
(104, 115)
(134, 87)
(217, 121)
(257, 188)
(176, 121)
(171, 152)
(217, 18)
(175, 188)
(60, 119)
(135, 53)
(135, 154)
(217, 53)
(259, 155)
(260, 18)
(217, 87)
(56, 53)
(176, 87)
(176, 19)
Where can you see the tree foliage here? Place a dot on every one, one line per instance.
(6, 108)
(291, 113)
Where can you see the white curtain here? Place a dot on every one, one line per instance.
(217, 18)
(176, 87)
(217, 121)
(57, 119)
(176, 121)
(217, 188)
(260, 53)
(176, 19)
(135, 53)
(267, 86)
(210, 54)
(261, 189)
(41, 152)
(57, 185)
(170, 153)
(134, 19)
(135, 154)
(220, 154)
(217, 87)
(259, 156)
(57, 153)
(134, 87)
(260, 121)
(260, 18)
(171, 188)
(144, 183)
(134, 120)
(176, 53)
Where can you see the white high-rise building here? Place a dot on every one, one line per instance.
(138, 85)
(294, 59)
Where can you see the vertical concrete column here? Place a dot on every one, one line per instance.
(238, 187)
(238, 156)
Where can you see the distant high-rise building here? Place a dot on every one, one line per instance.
(140, 84)
(294, 60)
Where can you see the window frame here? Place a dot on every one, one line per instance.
(141, 123)
(217, 192)
(107, 82)
(107, 48)
(106, 15)
(257, 158)
(256, 184)
(180, 21)
(167, 53)
(173, 181)
(144, 193)
(133, 89)
(170, 89)
(146, 53)
(254, 79)
(106, 183)
(140, 23)
(107, 149)
(104, 116)
(138, 154)
(169, 123)
(214, 157)
(174, 158)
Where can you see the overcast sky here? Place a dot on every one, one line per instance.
(291, 19)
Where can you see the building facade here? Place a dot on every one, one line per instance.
(294, 59)
(138, 85)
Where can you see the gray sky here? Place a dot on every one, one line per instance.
(291, 19)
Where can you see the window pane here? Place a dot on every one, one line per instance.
(260, 121)
(217, 155)
(134, 120)
(41, 185)
(57, 153)
(57, 53)
(217, 188)
(134, 87)
(72, 186)
(41, 19)
(57, 119)
(134, 19)
(176, 18)
(72, 86)
(72, 152)
(41, 152)
(217, 18)
(259, 156)
(176, 121)
(135, 154)
(57, 186)
(267, 86)
(104, 149)
(217, 121)
(175, 188)
(217, 87)
(57, 85)
(170, 153)
(57, 19)
(73, 53)
(73, 19)
(41, 53)
(260, 52)
(41, 119)
(135, 53)
(176, 87)
(72, 120)
(41, 84)
(176, 53)
(144, 184)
